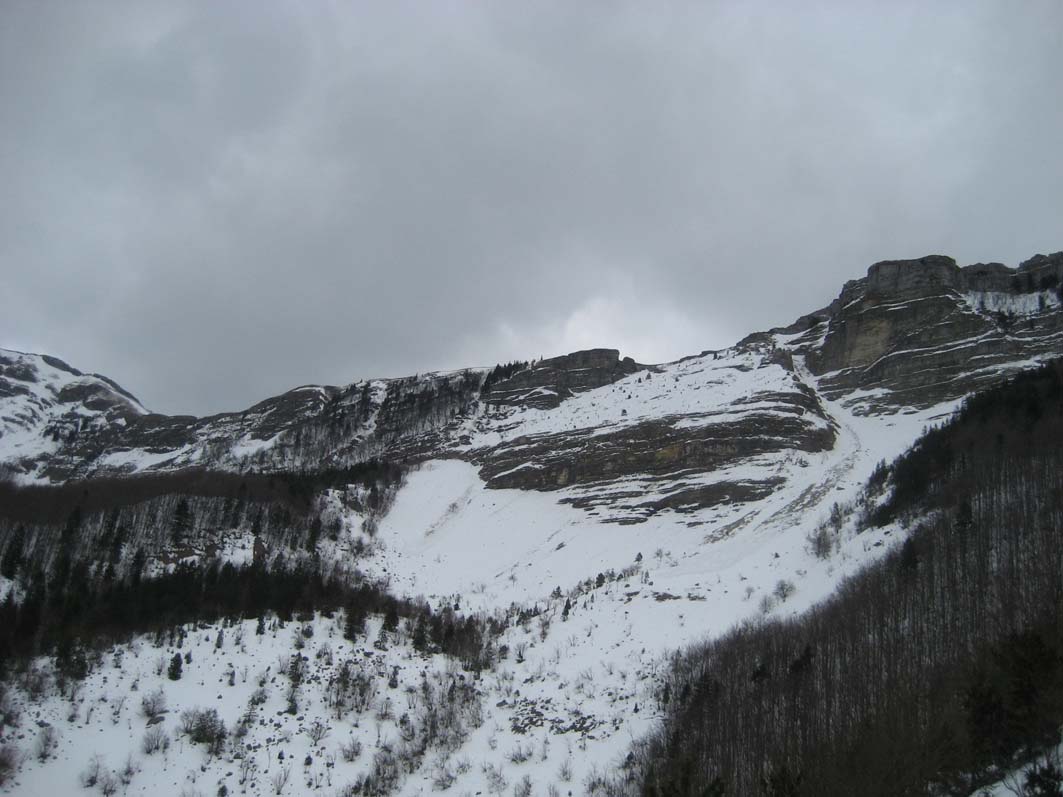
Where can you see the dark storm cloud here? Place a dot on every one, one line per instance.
(215, 202)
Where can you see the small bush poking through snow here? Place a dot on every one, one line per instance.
(784, 589)
(108, 783)
(520, 754)
(565, 771)
(128, 770)
(496, 781)
(155, 739)
(8, 762)
(523, 788)
(317, 731)
(350, 750)
(153, 704)
(204, 726)
(91, 774)
(47, 739)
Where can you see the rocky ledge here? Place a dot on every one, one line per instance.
(547, 383)
(919, 332)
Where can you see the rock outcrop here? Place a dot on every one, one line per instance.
(918, 332)
(547, 383)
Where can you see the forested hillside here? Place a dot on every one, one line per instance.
(937, 669)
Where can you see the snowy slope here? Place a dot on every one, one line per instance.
(44, 402)
(573, 690)
(570, 695)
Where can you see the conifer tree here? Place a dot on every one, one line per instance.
(182, 522)
(13, 554)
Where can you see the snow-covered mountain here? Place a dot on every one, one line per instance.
(621, 439)
(629, 509)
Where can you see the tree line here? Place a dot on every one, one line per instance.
(53, 504)
(68, 618)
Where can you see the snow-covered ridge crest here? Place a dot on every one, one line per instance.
(600, 427)
(45, 403)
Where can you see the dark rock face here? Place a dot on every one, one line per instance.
(661, 449)
(934, 273)
(925, 331)
(724, 416)
(547, 383)
(903, 277)
(657, 451)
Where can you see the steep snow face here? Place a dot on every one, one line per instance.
(450, 533)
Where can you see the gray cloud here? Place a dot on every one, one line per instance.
(212, 202)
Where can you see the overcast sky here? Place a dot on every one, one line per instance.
(214, 202)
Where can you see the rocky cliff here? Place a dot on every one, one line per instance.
(914, 333)
(547, 383)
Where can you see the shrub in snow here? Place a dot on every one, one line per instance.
(153, 704)
(443, 779)
(565, 771)
(784, 589)
(820, 542)
(90, 776)
(317, 731)
(496, 781)
(280, 779)
(108, 783)
(128, 771)
(204, 726)
(520, 754)
(9, 711)
(8, 762)
(350, 750)
(595, 783)
(47, 739)
(155, 739)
